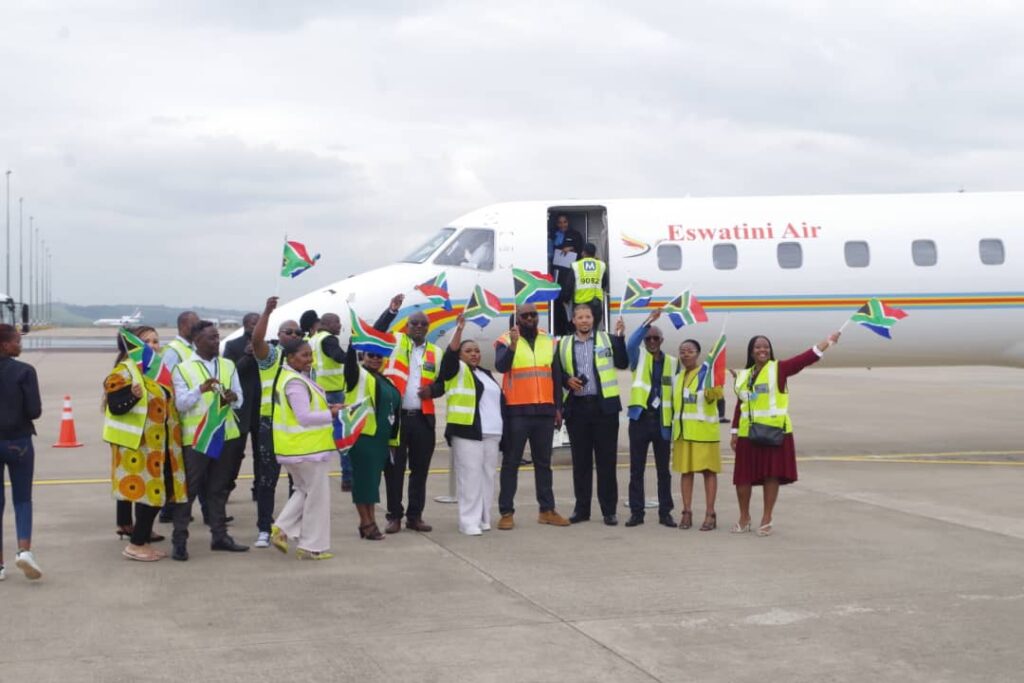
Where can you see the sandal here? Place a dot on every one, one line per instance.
(737, 529)
(765, 529)
(686, 519)
(313, 554)
(140, 557)
(278, 539)
(124, 531)
(710, 522)
(370, 532)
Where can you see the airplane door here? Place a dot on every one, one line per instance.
(591, 222)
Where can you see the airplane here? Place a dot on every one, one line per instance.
(124, 321)
(793, 268)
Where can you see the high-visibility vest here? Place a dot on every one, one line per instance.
(397, 367)
(694, 418)
(195, 373)
(602, 359)
(366, 389)
(765, 404)
(529, 381)
(267, 376)
(126, 430)
(589, 279)
(327, 372)
(461, 393)
(291, 438)
(640, 392)
(183, 350)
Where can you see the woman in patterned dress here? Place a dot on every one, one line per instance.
(147, 468)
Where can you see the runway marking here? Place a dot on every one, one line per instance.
(898, 458)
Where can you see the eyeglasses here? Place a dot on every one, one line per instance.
(374, 356)
(290, 330)
(531, 314)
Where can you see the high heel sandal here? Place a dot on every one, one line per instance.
(123, 531)
(370, 532)
(686, 519)
(710, 522)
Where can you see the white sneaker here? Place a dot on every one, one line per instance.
(26, 562)
(472, 531)
(3, 573)
(262, 540)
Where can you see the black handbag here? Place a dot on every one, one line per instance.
(765, 435)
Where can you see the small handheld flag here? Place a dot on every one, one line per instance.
(296, 259)
(211, 429)
(349, 424)
(533, 287)
(368, 340)
(684, 310)
(638, 293)
(436, 290)
(713, 368)
(482, 307)
(878, 317)
(150, 363)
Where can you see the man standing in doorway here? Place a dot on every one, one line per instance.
(590, 283)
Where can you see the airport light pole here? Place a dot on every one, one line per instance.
(42, 279)
(49, 287)
(21, 250)
(31, 267)
(8, 174)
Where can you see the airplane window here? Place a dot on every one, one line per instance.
(425, 250)
(670, 257)
(472, 248)
(924, 252)
(857, 253)
(790, 255)
(992, 252)
(724, 256)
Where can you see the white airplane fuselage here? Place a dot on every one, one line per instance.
(961, 310)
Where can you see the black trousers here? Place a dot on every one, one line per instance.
(212, 476)
(416, 448)
(645, 432)
(539, 430)
(595, 437)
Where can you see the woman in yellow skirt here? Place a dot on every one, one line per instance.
(695, 435)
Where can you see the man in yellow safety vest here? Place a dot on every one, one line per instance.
(590, 282)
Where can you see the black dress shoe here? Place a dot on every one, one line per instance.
(227, 543)
(179, 553)
(576, 518)
(611, 520)
(635, 519)
(666, 520)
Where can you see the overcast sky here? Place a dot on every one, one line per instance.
(165, 148)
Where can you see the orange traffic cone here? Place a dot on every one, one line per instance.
(67, 437)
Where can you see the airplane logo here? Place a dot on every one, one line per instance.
(641, 247)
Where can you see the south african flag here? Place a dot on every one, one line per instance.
(296, 259)
(684, 310)
(349, 424)
(211, 429)
(638, 293)
(878, 317)
(436, 291)
(533, 287)
(482, 307)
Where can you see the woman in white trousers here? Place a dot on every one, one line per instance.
(473, 429)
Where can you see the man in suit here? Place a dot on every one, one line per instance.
(240, 352)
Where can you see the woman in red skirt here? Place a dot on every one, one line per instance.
(762, 433)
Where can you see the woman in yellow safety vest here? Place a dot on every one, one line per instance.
(147, 468)
(762, 432)
(473, 431)
(695, 435)
(371, 450)
(304, 445)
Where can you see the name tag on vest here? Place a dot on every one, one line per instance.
(428, 367)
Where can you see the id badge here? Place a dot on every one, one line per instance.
(656, 403)
(428, 367)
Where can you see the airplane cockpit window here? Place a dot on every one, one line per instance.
(925, 252)
(670, 257)
(790, 255)
(992, 252)
(857, 254)
(426, 250)
(724, 256)
(472, 248)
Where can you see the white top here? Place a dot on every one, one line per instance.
(490, 405)
(170, 356)
(185, 398)
(410, 401)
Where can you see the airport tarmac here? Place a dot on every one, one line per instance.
(899, 555)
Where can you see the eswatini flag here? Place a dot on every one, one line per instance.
(684, 310)
(713, 367)
(483, 306)
(533, 287)
(436, 290)
(878, 317)
(368, 340)
(349, 424)
(638, 293)
(296, 259)
(212, 428)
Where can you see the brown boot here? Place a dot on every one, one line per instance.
(393, 526)
(553, 518)
(506, 522)
(417, 525)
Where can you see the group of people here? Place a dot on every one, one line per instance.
(285, 394)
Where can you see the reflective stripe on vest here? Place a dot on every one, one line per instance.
(194, 373)
(640, 393)
(589, 279)
(291, 438)
(694, 418)
(184, 352)
(267, 376)
(529, 381)
(327, 372)
(765, 404)
(461, 393)
(397, 367)
(126, 430)
(602, 359)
